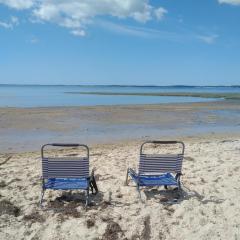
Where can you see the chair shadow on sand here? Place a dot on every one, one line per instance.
(67, 202)
(73, 199)
(175, 196)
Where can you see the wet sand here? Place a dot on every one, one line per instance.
(25, 129)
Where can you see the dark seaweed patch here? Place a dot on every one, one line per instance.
(6, 207)
(90, 223)
(3, 184)
(113, 231)
(34, 217)
(146, 233)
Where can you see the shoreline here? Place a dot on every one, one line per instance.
(140, 105)
(216, 103)
(204, 138)
(28, 128)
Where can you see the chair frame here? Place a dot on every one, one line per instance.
(178, 175)
(64, 145)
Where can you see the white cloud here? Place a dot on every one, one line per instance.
(77, 14)
(5, 24)
(160, 12)
(209, 39)
(10, 24)
(232, 2)
(14, 20)
(140, 31)
(125, 30)
(18, 4)
(78, 32)
(182, 36)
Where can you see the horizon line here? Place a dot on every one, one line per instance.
(115, 85)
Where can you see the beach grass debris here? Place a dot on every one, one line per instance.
(105, 204)
(34, 217)
(6, 160)
(66, 210)
(189, 158)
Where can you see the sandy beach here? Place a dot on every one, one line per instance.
(150, 89)
(207, 208)
(111, 76)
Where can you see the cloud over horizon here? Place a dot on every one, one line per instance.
(76, 15)
(18, 4)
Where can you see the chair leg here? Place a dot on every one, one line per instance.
(139, 193)
(126, 181)
(178, 177)
(179, 185)
(41, 198)
(87, 198)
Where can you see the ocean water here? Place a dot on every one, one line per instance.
(56, 96)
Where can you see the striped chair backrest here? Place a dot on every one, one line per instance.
(160, 163)
(65, 167)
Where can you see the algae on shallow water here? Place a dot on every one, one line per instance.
(228, 96)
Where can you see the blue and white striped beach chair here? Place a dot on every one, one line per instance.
(66, 173)
(158, 169)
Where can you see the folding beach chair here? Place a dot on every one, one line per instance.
(158, 169)
(66, 173)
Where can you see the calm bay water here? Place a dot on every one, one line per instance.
(93, 126)
(51, 96)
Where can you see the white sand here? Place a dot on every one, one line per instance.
(208, 209)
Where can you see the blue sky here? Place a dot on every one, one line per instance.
(165, 42)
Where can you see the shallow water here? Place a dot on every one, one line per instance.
(54, 96)
(28, 129)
